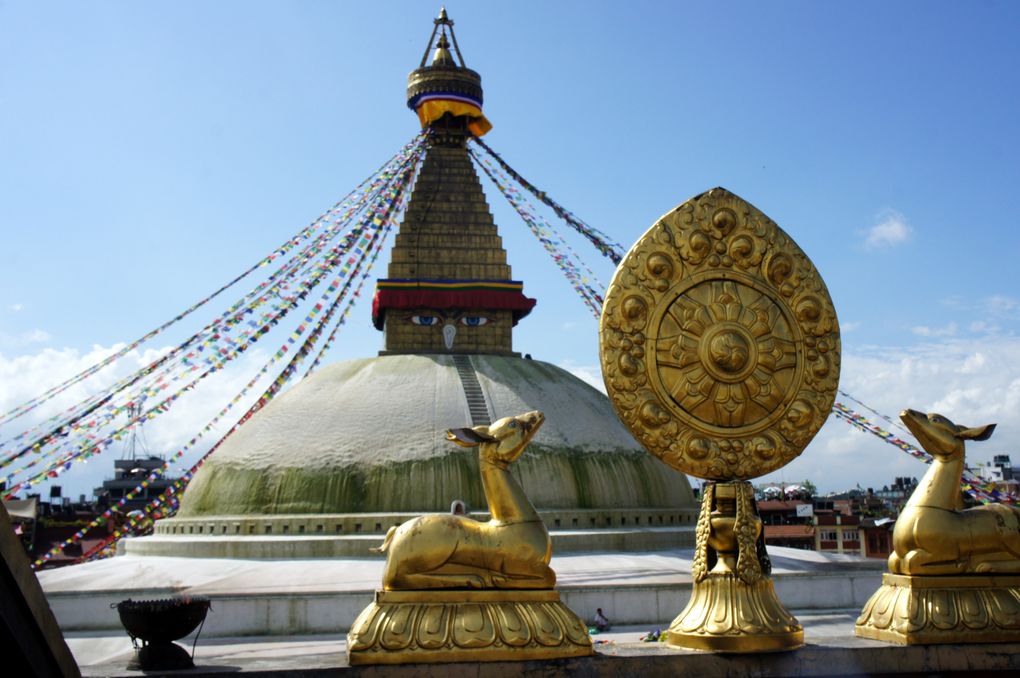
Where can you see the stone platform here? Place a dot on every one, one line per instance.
(831, 650)
(299, 597)
(354, 534)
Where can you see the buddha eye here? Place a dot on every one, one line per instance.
(474, 320)
(425, 320)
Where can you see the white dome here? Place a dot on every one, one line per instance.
(368, 436)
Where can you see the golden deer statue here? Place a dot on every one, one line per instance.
(931, 536)
(510, 551)
(457, 589)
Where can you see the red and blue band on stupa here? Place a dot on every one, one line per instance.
(446, 294)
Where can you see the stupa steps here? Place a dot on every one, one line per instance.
(477, 407)
(465, 216)
(452, 255)
(447, 226)
(439, 177)
(472, 271)
(428, 189)
(470, 240)
(450, 157)
(441, 193)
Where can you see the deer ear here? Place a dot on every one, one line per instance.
(468, 437)
(979, 433)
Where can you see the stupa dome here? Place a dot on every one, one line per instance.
(368, 436)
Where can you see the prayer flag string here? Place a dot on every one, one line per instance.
(283, 249)
(274, 294)
(217, 361)
(547, 237)
(271, 290)
(378, 226)
(976, 487)
(614, 251)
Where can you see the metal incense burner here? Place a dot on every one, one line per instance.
(157, 624)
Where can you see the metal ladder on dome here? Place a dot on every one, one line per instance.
(477, 408)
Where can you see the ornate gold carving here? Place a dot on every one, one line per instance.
(700, 564)
(964, 609)
(719, 343)
(747, 528)
(426, 612)
(720, 351)
(727, 615)
(733, 607)
(407, 627)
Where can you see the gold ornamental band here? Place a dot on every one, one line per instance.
(479, 596)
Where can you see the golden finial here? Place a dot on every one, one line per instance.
(442, 56)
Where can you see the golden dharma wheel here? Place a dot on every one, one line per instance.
(719, 342)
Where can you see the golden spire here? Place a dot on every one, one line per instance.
(442, 56)
(449, 288)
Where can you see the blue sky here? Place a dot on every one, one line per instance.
(151, 151)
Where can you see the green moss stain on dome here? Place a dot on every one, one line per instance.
(553, 480)
(408, 486)
(367, 436)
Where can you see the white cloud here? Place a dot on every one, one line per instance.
(847, 327)
(892, 229)
(16, 307)
(972, 381)
(1001, 306)
(925, 331)
(23, 339)
(27, 376)
(36, 336)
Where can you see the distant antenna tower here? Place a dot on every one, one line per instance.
(136, 440)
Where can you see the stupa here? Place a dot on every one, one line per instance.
(327, 467)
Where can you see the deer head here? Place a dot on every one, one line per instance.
(940, 437)
(506, 438)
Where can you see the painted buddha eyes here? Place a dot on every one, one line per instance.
(434, 320)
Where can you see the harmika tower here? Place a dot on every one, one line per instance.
(449, 288)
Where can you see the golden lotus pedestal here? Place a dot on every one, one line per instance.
(733, 606)
(727, 615)
(405, 627)
(913, 610)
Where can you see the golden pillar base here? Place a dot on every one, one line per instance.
(733, 606)
(943, 609)
(727, 615)
(407, 627)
